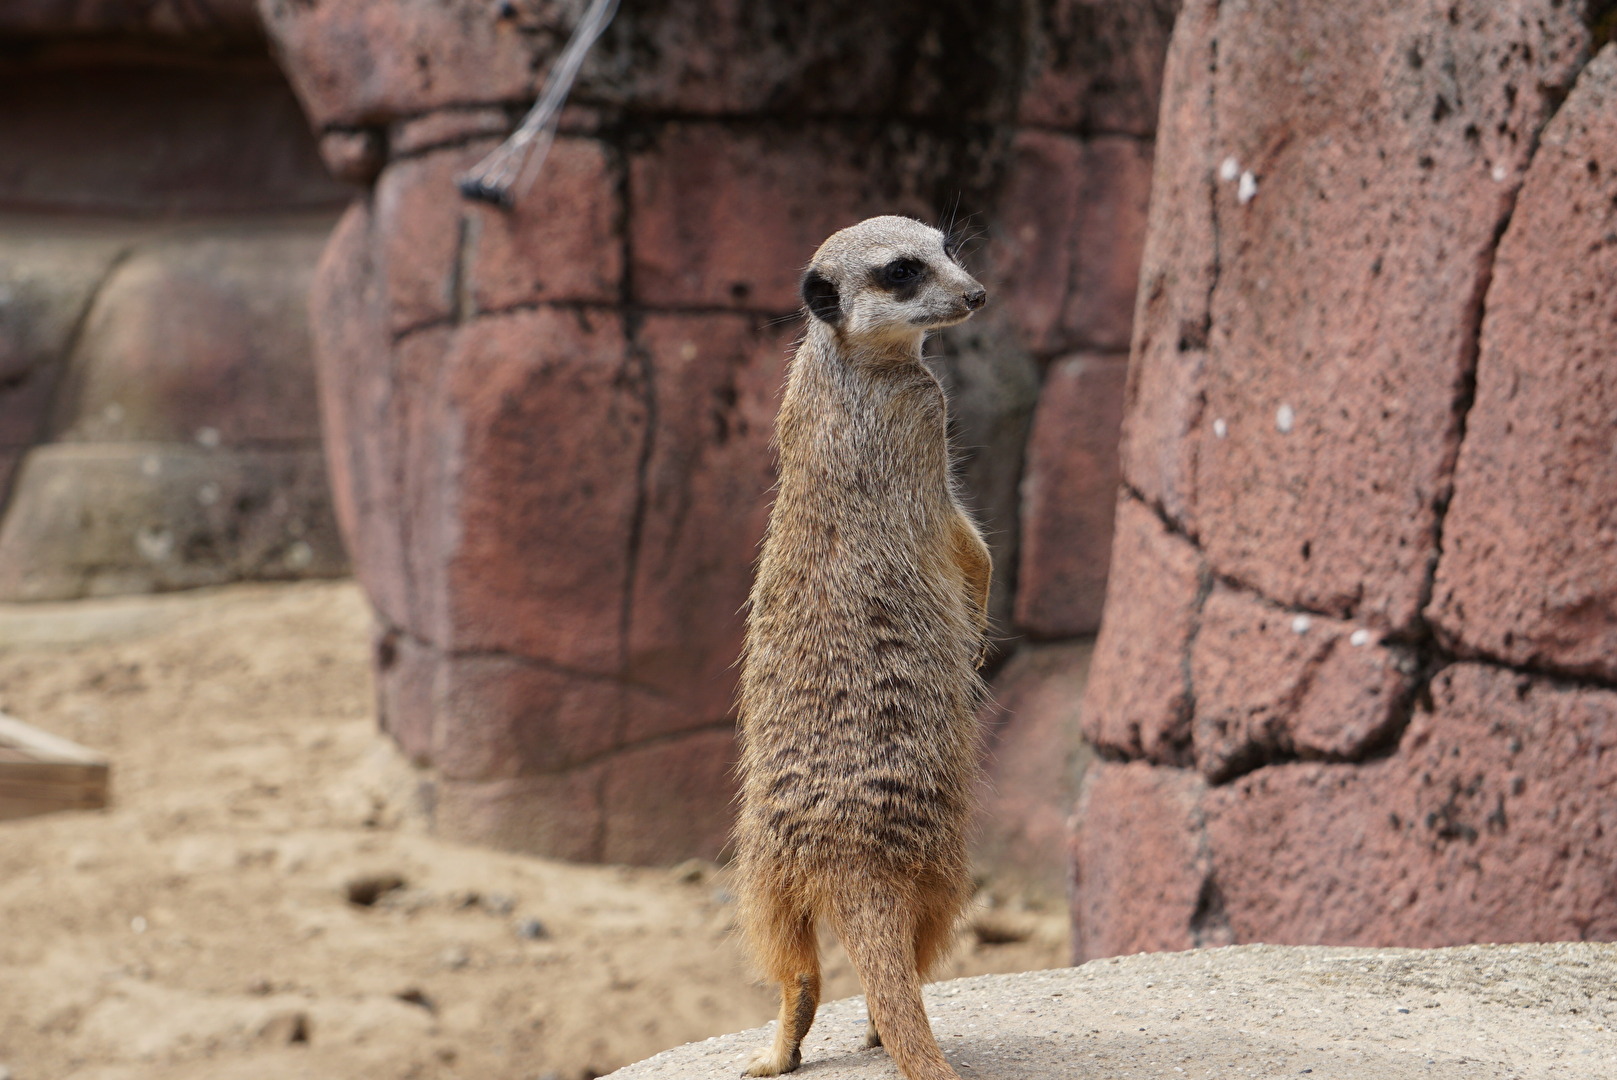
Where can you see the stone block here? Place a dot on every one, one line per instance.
(1488, 825)
(1356, 221)
(1096, 65)
(668, 800)
(48, 276)
(727, 216)
(1179, 265)
(708, 486)
(1529, 566)
(157, 140)
(419, 217)
(98, 519)
(1271, 683)
(501, 717)
(407, 705)
(1073, 222)
(200, 21)
(546, 419)
(1140, 864)
(47, 279)
(354, 369)
(9, 460)
(1138, 699)
(559, 242)
(353, 62)
(1036, 758)
(412, 136)
(554, 815)
(1069, 497)
(956, 62)
(202, 338)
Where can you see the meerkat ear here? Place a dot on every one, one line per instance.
(820, 297)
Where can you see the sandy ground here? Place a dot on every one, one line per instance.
(203, 926)
(1483, 1012)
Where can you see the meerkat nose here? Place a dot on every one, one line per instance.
(977, 299)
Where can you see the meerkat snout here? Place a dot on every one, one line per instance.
(889, 277)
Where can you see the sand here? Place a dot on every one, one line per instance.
(203, 926)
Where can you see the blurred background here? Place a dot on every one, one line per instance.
(1290, 422)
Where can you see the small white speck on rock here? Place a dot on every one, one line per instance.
(1359, 638)
(1247, 189)
(1229, 170)
(1284, 419)
(1499, 174)
(1221, 430)
(1300, 624)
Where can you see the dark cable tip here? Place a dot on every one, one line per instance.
(482, 189)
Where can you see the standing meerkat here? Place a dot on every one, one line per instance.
(859, 684)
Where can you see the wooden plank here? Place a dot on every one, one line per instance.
(59, 794)
(52, 772)
(12, 809)
(41, 772)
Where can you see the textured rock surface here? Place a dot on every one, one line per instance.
(1069, 497)
(1036, 758)
(1077, 295)
(1139, 863)
(1492, 823)
(549, 429)
(1329, 227)
(203, 136)
(209, 20)
(200, 337)
(1179, 266)
(168, 373)
(161, 209)
(1272, 684)
(1138, 698)
(1527, 1011)
(48, 276)
(1380, 191)
(1529, 568)
(98, 519)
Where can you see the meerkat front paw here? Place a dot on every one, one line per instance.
(772, 1062)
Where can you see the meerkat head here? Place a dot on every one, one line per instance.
(888, 280)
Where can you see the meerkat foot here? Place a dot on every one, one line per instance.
(872, 1036)
(773, 1062)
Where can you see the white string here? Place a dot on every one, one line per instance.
(506, 174)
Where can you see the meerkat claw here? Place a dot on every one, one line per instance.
(768, 1063)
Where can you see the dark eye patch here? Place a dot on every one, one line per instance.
(901, 274)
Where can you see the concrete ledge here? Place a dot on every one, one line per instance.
(1487, 1011)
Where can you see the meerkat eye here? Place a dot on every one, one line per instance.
(900, 271)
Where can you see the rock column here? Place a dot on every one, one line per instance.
(1354, 684)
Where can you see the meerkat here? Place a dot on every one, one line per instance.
(866, 627)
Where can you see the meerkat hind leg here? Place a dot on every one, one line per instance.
(796, 963)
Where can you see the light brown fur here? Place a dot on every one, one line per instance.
(859, 686)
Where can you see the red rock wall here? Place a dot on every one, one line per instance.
(161, 210)
(1355, 681)
(549, 429)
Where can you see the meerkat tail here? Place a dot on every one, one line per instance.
(878, 933)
